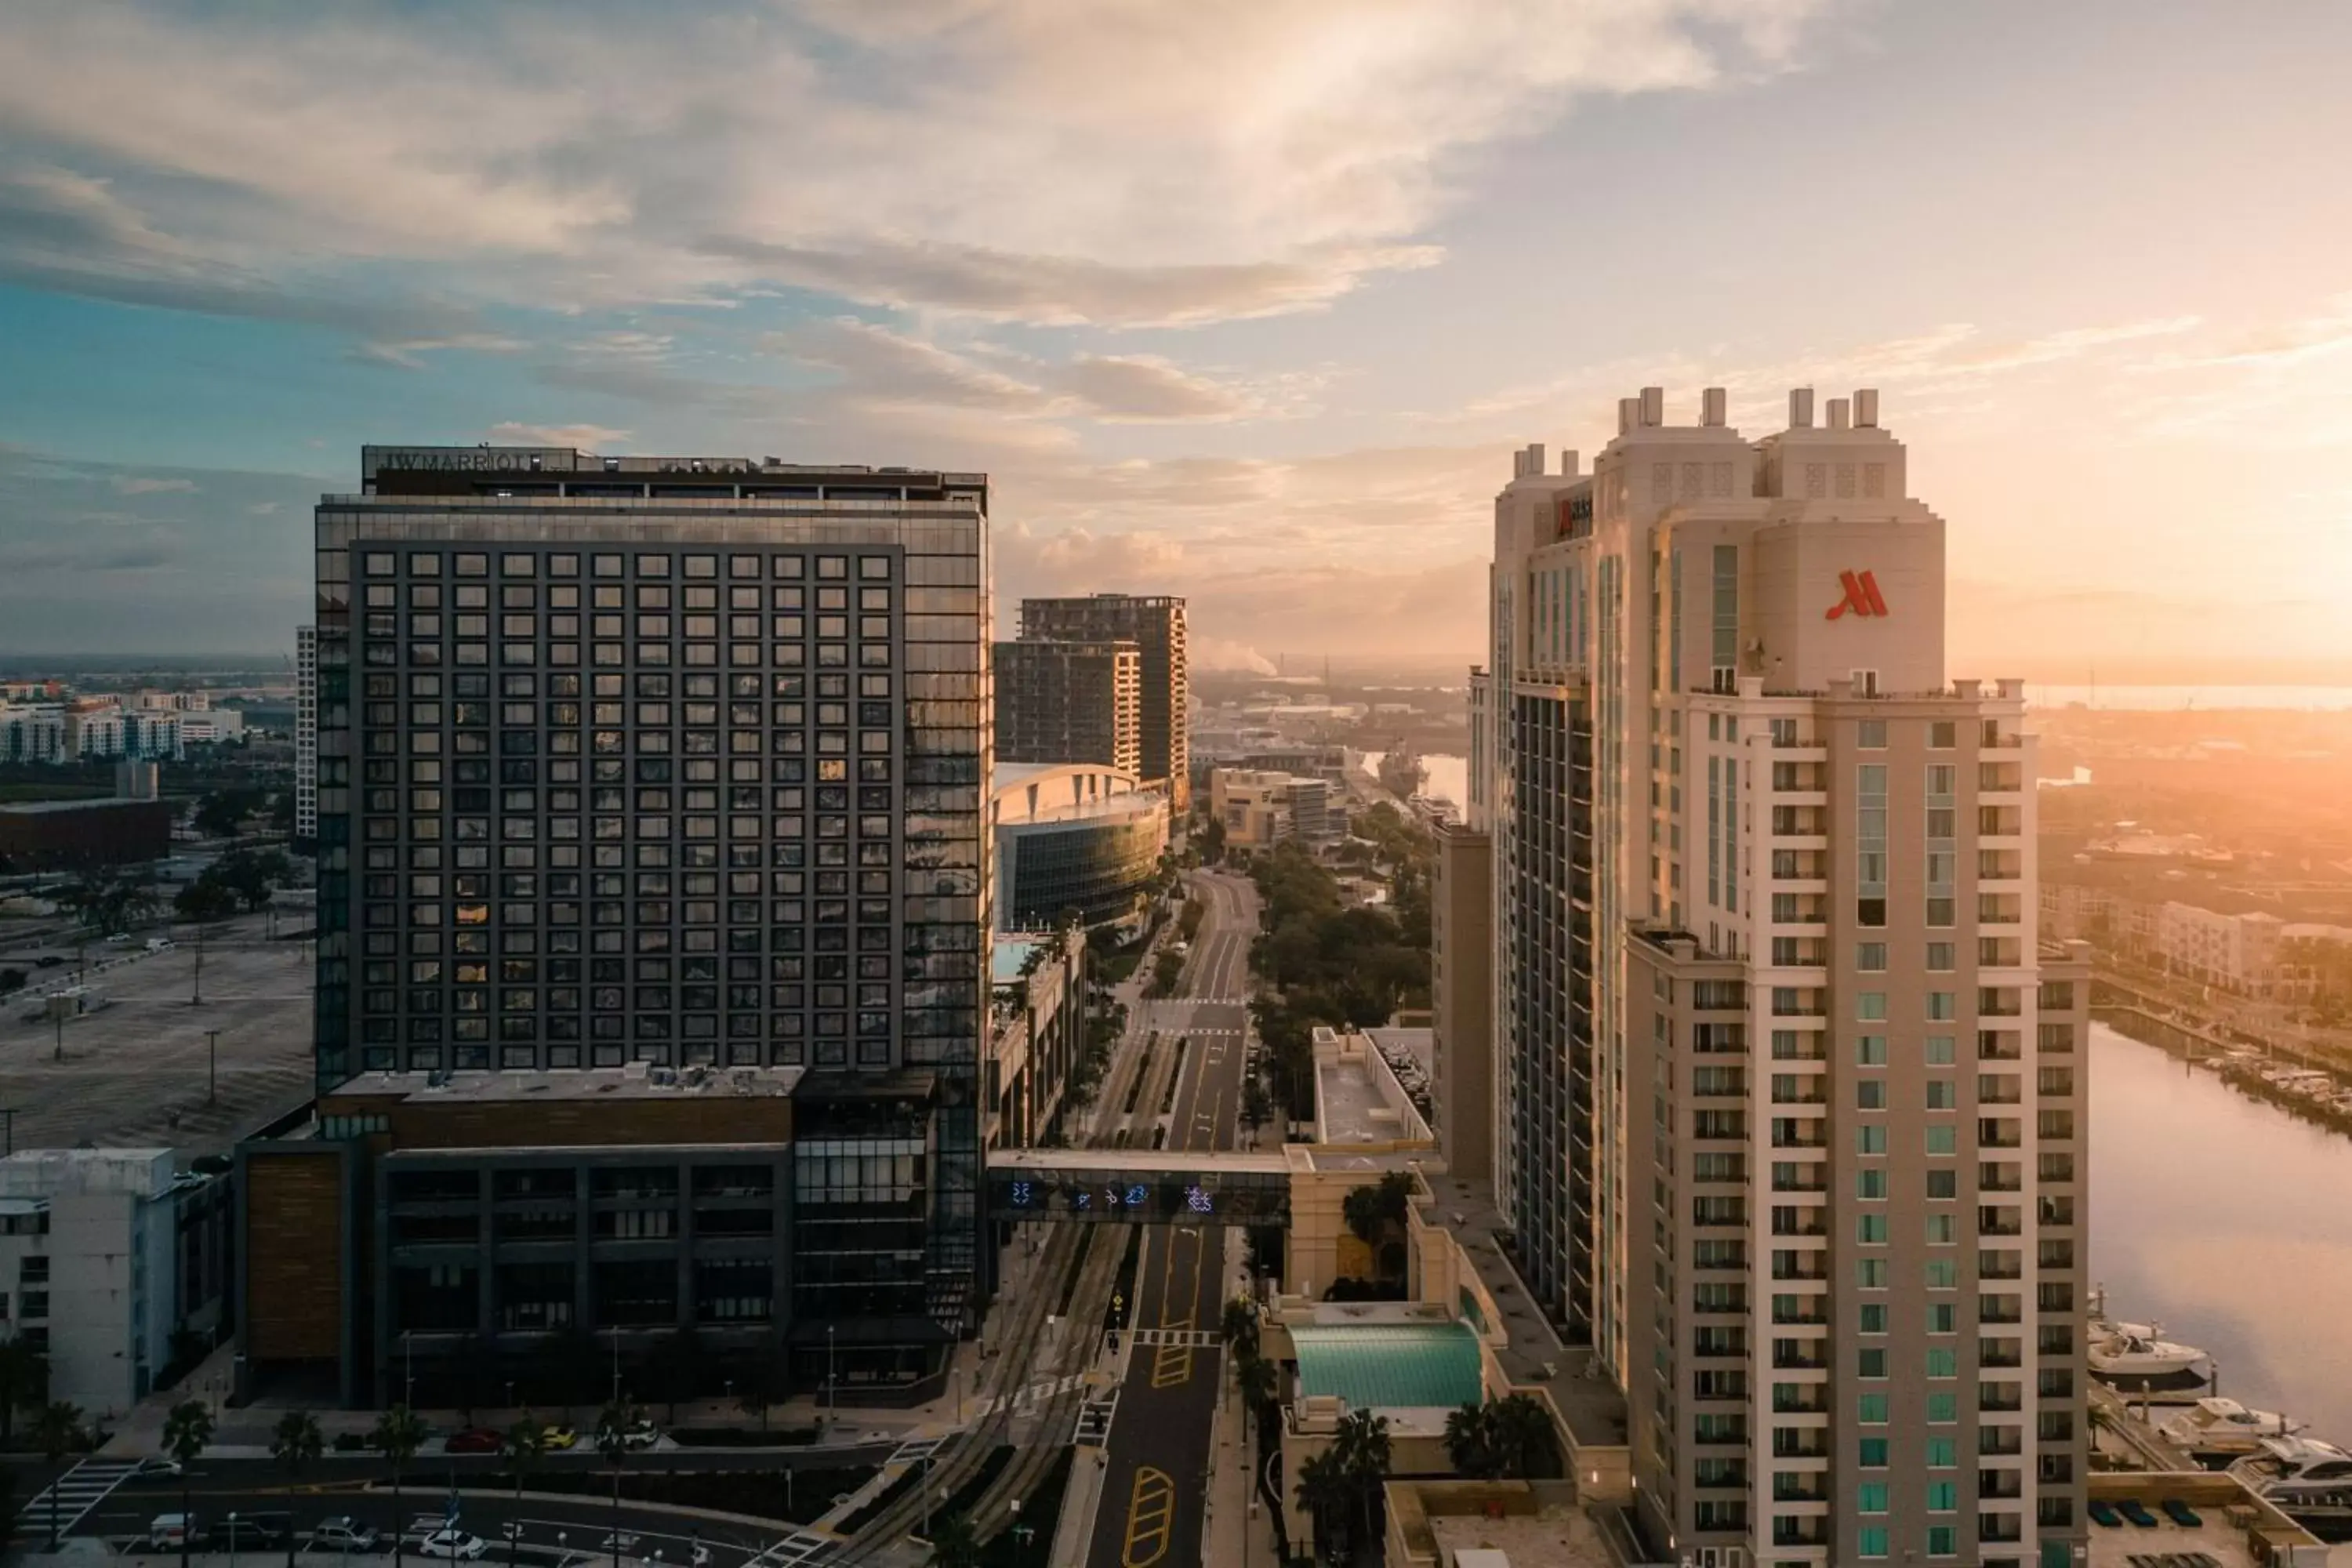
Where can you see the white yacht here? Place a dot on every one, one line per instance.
(2218, 1425)
(2123, 1353)
(2309, 1480)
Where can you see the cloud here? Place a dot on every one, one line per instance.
(406, 354)
(143, 485)
(1211, 654)
(1018, 160)
(585, 438)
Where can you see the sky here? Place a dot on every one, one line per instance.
(1248, 301)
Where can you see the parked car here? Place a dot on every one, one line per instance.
(344, 1533)
(556, 1439)
(167, 1531)
(248, 1531)
(49, 961)
(157, 1466)
(453, 1544)
(160, 944)
(474, 1440)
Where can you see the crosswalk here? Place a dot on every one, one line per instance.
(800, 1549)
(914, 1450)
(1094, 1421)
(78, 1491)
(1034, 1393)
(1191, 1338)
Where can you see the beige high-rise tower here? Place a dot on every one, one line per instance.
(1788, 1096)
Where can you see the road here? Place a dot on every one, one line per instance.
(1156, 1464)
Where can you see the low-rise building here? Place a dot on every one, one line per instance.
(1036, 1034)
(78, 835)
(1260, 808)
(104, 1255)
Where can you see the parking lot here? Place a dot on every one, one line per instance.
(135, 1070)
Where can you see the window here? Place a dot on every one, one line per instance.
(1942, 1005)
(1870, 735)
(1939, 1050)
(1870, 1094)
(1943, 1318)
(1942, 1230)
(1870, 1409)
(1871, 1140)
(1870, 1050)
(1943, 1408)
(1870, 1541)
(1943, 1453)
(1870, 1273)
(1943, 1140)
(1943, 1274)
(1870, 1229)
(1943, 1361)
(1870, 1364)
(1872, 1318)
(1871, 1498)
(1869, 1184)
(1943, 1541)
(1941, 1094)
(1941, 956)
(1874, 1454)
(1871, 1005)
(1943, 1183)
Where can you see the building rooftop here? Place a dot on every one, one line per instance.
(1383, 1363)
(1491, 1524)
(1006, 956)
(637, 1081)
(1357, 1098)
(34, 1173)
(42, 807)
(1535, 1357)
(2233, 1529)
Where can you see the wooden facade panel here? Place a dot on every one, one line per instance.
(293, 1266)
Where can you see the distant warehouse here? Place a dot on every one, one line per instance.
(73, 835)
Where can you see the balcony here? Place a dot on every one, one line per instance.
(1801, 1221)
(1800, 1399)
(1800, 822)
(2003, 1176)
(1801, 1443)
(1800, 1355)
(1801, 1486)
(2000, 1353)
(2000, 1396)
(2004, 1220)
(2000, 1132)
(1790, 1132)
(1997, 1442)
(1996, 1484)
(1800, 1266)
(2000, 1527)
(1801, 1531)
(2002, 1265)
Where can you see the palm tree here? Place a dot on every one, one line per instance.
(1470, 1441)
(1362, 1446)
(1326, 1495)
(399, 1433)
(954, 1543)
(58, 1429)
(613, 1442)
(186, 1430)
(1522, 1431)
(1239, 1327)
(1258, 1379)
(524, 1443)
(295, 1445)
(24, 1381)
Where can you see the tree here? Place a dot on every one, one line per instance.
(222, 813)
(1371, 1211)
(1363, 1447)
(203, 900)
(1328, 1496)
(296, 1444)
(1523, 1437)
(954, 1543)
(186, 1430)
(108, 903)
(1257, 1106)
(58, 1431)
(399, 1433)
(613, 1441)
(1470, 1442)
(1238, 1327)
(252, 875)
(757, 1387)
(10, 980)
(1258, 1378)
(522, 1444)
(24, 1381)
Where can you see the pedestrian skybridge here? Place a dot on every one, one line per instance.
(1138, 1186)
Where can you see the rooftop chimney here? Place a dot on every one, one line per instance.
(1534, 460)
(1654, 405)
(1838, 420)
(1629, 410)
(1801, 408)
(1568, 464)
(1865, 408)
(1711, 405)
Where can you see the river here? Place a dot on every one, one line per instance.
(2228, 1221)
(1449, 776)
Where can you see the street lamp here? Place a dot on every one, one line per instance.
(212, 1066)
(829, 1402)
(186, 1525)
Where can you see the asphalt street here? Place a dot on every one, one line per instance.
(1157, 1460)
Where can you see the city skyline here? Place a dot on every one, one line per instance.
(1254, 336)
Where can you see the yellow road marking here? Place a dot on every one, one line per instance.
(1150, 1515)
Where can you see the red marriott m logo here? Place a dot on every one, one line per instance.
(1860, 596)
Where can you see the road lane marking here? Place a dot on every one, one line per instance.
(1150, 1518)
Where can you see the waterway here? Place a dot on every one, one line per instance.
(1449, 776)
(2228, 1221)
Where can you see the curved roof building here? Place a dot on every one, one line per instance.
(1073, 836)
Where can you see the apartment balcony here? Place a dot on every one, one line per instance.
(2000, 1002)
(1999, 952)
(1794, 1133)
(2000, 778)
(1801, 1486)
(1791, 777)
(1998, 1397)
(2002, 1176)
(2002, 1264)
(1800, 1002)
(1993, 1528)
(1995, 1484)
(1800, 1532)
(1999, 1355)
(1789, 1358)
(2003, 1220)
(1800, 1266)
(2000, 1132)
(1801, 1221)
(2000, 1309)
(1800, 1399)
(1801, 1443)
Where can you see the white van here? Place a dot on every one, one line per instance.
(158, 945)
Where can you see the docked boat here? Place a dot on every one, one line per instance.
(2308, 1479)
(2218, 1425)
(2142, 1355)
